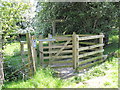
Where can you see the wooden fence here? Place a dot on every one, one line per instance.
(77, 51)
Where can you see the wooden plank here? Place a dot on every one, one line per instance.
(47, 40)
(41, 51)
(60, 61)
(88, 65)
(62, 66)
(90, 37)
(89, 60)
(85, 35)
(88, 43)
(46, 47)
(90, 53)
(59, 57)
(90, 47)
(65, 45)
(61, 43)
(62, 38)
(65, 51)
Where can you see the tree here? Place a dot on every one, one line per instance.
(80, 17)
(11, 14)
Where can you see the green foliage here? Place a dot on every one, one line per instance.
(11, 14)
(78, 17)
(12, 61)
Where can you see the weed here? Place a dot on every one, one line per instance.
(107, 83)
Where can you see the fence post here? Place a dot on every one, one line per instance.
(75, 50)
(30, 59)
(34, 52)
(101, 42)
(50, 49)
(22, 51)
(41, 51)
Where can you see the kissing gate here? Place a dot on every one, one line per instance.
(77, 51)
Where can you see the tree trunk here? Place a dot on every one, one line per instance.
(1, 61)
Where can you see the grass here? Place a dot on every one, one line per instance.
(108, 71)
(44, 77)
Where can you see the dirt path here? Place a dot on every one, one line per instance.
(94, 83)
(97, 82)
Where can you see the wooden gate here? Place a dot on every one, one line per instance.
(58, 53)
(77, 51)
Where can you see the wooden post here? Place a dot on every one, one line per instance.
(54, 21)
(41, 51)
(74, 41)
(54, 27)
(101, 42)
(22, 51)
(77, 51)
(30, 59)
(34, 52)
(50, 49)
